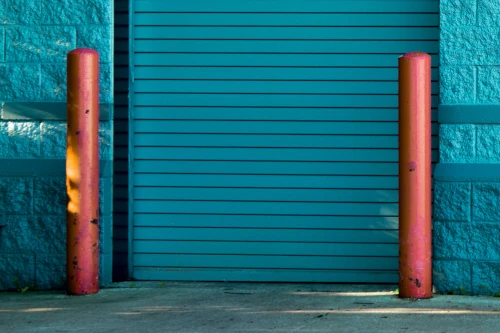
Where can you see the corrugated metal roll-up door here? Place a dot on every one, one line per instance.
(264, 137)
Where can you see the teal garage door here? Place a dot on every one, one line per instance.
(264, 137)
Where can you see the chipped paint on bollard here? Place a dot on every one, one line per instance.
(415, 241)
(82, 172)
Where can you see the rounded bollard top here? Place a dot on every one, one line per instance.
(82, 51)
(415, 55)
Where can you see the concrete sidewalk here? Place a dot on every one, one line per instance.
(245, 308)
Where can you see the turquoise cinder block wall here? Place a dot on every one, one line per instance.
(467, 188)
(35, 37)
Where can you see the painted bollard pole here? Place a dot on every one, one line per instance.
(415, 238)
(82, 172)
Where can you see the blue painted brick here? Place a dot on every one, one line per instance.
(488, 84)
(39, 44)
(466, 241)
(457, 143)
(452, 201)
(34, 234)
(486, 202)
(457, 12)
(19, 82)
(53, 78)
(457, 84)
(20, 12)
(18, 271)
(16, 195)
(450, 240)
(486, 277)
(70, 12)
(50, 196)
(51, 271)
(469, 46)
(19, 139)
(53, 139)
(2, 43)
(488, 143)
(452, 276)
(488, 13)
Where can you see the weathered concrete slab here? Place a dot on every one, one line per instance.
(219, 307)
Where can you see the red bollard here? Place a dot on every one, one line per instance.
(82, 172)
(415, 235)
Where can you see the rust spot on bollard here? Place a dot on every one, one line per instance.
(82, 172)
(415, 249)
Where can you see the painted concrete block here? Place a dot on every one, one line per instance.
(457, 12)
(50, 271)
(16, 195)
(70, 12)
(488, 84)
(457, 84)
(452, 276)
(18, 271)
(54, 79)
(53, 139)
(50, 196)
(488, 13)
(486, 278)
(452, 201)
(2, 44)
(488, 143)
(466, 241)
(469, 46)
(19, 139)
(34, 234)
(20, 12)
(39, 44)
(451, 240)
(19, 82)
(457, 143)
(485, 202)
(97, 38)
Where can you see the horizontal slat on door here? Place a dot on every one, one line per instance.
(267, 114)
(292, 19)
(266, 87)
(268, 168)
(286, 6)
(270, 154)
(272, 195)
(280, 141)
(267, 222)
(269, 127)
(265, 208)
(283, 46)
(272, 73)
(262, 248)
(266, 235)
(269, 60)
(264, 262)
(266, 275)
(376, 182)
(269, 100)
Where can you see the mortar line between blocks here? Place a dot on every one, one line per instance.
(477, 10)
(470, 203)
